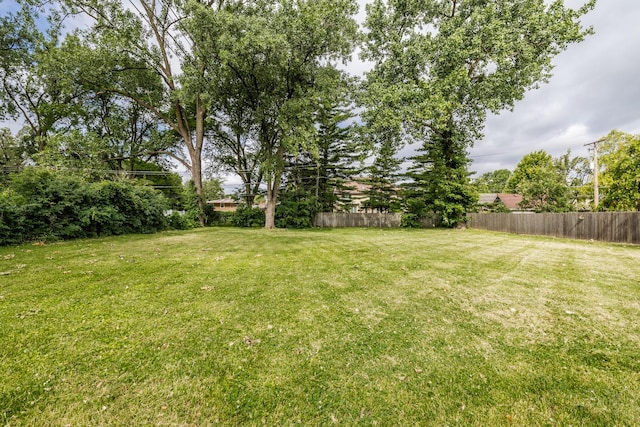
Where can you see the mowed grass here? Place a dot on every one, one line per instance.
(320, 327)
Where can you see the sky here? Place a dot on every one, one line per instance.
(595, 88)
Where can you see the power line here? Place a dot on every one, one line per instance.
(596, 191)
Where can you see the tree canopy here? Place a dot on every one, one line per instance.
(272, 69)
(492, 182)
(620, 177)
(542, 186)
(255, 88)
(440, 66)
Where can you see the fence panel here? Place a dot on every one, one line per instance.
(339, 219)
(378, 220)
(618, 227)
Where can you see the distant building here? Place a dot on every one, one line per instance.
(488, 201)
(224, 205)
(352, 197)
(230, 205)
(511, 201)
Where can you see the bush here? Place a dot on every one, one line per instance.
(11, 223)
(122, 208)
(221, 218)
(248, 217)
(45, 205)
(50, 204)
(296, 211)
(180, 221)
(416, 211)
(410, 220)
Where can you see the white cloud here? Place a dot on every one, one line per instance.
(594, 89)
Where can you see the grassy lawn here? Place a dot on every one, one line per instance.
(367, 327)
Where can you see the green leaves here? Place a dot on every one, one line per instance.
(269, 68)
(440, 66)
(621, 176)
(463, 58)
(492, 182)
(541, 183)
(47, 205)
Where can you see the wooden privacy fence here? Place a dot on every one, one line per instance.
(379, 220)
(619, 227)
(339, 219)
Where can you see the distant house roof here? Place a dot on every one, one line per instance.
(511, 201)
(355, 187)
(487, 198)
(225, 201)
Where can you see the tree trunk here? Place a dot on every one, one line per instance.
(196, 176)
(272, 200)
(195, 151)
(195, 168)
(248, 194)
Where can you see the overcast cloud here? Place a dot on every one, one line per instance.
(595, 88)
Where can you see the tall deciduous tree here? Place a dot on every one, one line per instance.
(147, 42)
(33, 89)
(234, 149)
(275, 61)
(68, 122)
(576, 172)
(543, 187)
(620, 177)
(441, 65)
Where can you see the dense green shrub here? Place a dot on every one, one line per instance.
(118, 207)
(220, 218)
(410, 220)
(248, 217)
(176, 221)
(41, 204)
(296, 210)
(49, 203)
(11, 224)
(416, 211)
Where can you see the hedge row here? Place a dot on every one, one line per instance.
(42, 204)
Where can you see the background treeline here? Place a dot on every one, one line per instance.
(565, 183)
(259, 90)
(43, 204)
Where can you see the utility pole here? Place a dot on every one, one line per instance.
(596, 192)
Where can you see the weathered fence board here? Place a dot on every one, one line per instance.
(378, 220)
(619, 227)
(339, 219)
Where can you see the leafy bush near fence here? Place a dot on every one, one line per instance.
(123, 208)
(42, 204)
(296, 210)
(416, 211)
(248, 217)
